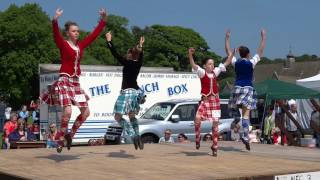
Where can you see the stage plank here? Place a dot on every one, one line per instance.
(156, 161)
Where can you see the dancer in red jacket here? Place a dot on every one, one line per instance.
(209, 106)
(66, 91)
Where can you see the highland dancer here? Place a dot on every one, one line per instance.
(243, 97)
(66, 91)
(209, 106)
(130, 96)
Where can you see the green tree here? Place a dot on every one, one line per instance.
(25, 41)
(167, 46)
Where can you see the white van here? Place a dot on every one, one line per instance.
(177, 115)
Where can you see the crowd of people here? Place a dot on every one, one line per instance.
(21, 125)
(181, 138)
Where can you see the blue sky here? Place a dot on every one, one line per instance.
(292, 23)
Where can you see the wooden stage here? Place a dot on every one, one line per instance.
(156, 161)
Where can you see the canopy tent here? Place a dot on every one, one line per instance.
(304, 106)
(311, 82)
(274, 89)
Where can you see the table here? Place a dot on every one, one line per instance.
(29, 144)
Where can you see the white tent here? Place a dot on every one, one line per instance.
(310, 82)
(304, 106)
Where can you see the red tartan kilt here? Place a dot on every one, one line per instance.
(63, 92)
(206, 107)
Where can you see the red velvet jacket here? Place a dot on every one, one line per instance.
(70, 58)
(209, 85)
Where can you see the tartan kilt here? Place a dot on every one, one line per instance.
(64, 92)
(127, 101)
(245, 96)
(206, 106)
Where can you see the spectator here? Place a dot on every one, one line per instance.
(167, 139)
(290, 126)
(35, 129)
(24, 114)
(35, 110)
(235, 132)
(21, 133)
(276, 136)
(269, 124)
(8, 128)
(207, 138)
(7, 112)
(35, 105)
(182, 138)
(52, 133)
(254, 135)
(315, 125)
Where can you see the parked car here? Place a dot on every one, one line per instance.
(177, 115)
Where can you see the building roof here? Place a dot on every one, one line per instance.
(297, 70)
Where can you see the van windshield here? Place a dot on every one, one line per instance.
(158, 111)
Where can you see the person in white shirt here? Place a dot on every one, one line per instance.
(209, 106)
(290, 126)
(167, 139)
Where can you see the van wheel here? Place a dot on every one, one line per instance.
(149, 138)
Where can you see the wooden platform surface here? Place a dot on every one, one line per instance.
(156, 161)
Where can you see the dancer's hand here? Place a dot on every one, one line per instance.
(109, 36)
(141, 41)
(234, 51)
(103, 14)
(59, 12)
(228, 34)
(263, 33)
(191, 51)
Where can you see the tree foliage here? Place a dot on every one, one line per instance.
(25, 41)
(168, 45)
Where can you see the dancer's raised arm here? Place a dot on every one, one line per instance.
(227, 43)
(191, 52)
(229, 58)
(95, 33)
(140, 49)
(113, 50)
(262, 43)
(56, 32)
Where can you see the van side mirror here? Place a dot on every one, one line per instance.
(175, 118)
